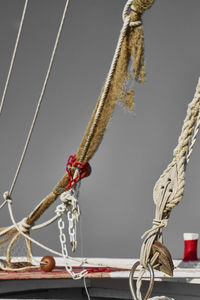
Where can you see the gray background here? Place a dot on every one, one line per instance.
(116, 200)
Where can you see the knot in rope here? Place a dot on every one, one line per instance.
(7, 197)
(81, 171)
(23, 226)
(67, 197)
(157, 224)
(160, 223)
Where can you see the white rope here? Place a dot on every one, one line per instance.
(40, 98)
(126, 19)
(86, 289)
(169, 188)
(13, 56)
(28, 237)
(23, 228)
(44, 224)
(3, 204)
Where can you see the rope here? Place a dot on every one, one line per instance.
(169, 189)
(13, 55)
(126, 19)
(40, 98)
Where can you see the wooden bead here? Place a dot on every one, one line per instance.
(89, 171)
(47, 263)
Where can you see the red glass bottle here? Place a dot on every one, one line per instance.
(190, 246)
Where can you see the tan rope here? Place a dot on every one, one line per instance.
(130, 44)
(105, 89)
(40, 99)
(13, 56)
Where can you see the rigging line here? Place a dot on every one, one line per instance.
(13, 56)
(82, 253)
(40, 98)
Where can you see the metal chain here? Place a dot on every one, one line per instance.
(62, 237)
(69, 199)
(69, 205)
(72, 229)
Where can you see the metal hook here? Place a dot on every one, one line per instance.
(151, 283)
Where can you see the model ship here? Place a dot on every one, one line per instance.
(168, 190)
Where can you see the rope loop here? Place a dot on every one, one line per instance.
(139, 281)
(81, 168)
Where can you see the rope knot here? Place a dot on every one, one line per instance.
(67, 197)
(24, 226)
(160, 223)
(157, 224)
(7, 197)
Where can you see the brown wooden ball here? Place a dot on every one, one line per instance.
(89, 171)
(47, 263)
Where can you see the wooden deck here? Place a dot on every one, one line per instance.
(111, 284)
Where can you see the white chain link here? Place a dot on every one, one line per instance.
(62, 236)
(72, 229)
(69, 205)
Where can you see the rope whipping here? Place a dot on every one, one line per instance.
(13, 56)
